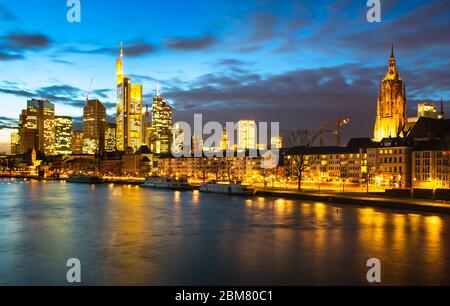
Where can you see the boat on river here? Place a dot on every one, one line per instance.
(233, 189)
(166, 183)
(85, 179)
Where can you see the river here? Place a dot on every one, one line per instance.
(127, 235)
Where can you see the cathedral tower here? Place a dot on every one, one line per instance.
(391, 107)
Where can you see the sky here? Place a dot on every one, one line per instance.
(297, 62)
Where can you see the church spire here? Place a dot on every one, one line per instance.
(442, 113)
(392, 64)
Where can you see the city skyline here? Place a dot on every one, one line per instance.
(254, 80)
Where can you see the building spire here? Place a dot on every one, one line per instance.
(158, 89)
(392, 64)
(442, 113)
(121, 49)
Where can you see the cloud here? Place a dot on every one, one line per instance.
(14, 45)
(21, 41)
(303, 98)
(10, 57)
(190, 44)
(61, 94)
(8, 123)
(132, 50)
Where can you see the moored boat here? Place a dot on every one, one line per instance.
(233, 189)
(85, 179)
(166, 183)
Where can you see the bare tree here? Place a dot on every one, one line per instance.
(204, 167)
(215, 167)
(228, 166)
(298, 156)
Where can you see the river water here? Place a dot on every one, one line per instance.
(127, 235)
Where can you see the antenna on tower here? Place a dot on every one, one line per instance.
(89, 89)
(158, 89)
(121, 49)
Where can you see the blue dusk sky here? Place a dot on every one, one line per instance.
(301, 63)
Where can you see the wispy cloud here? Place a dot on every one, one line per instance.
(15, 45)
(190, 44)
(132, 50)
(8, 123)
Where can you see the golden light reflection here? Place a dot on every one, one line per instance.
(320, 211)
(177, 197)
(196, 197)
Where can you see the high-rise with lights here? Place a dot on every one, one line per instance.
(161, 130)
(94, 120)
(129, 110)
(63, 135)
(247, 134)
(391, 107)
(37, 127)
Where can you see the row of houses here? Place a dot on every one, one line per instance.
(419, 160)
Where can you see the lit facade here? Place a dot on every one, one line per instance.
(77, 142)
(161, 130)
(63, 137)
(393, 167)
(135, 117)
(128, 111)
(37, 127)
(94, 122)
(431, 167)
(247, 135)
(244, 169)
(427, 110)
(90, 146)
(15, 143)
(110, 137)
(391, 106)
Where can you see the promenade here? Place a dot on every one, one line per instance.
(362, 199)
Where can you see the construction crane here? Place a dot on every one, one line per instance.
(334, 128)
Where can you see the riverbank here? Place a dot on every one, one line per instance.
(417, 205)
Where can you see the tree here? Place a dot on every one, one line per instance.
(298, 157)
(228, 166)
(204, 167)
(215, 167)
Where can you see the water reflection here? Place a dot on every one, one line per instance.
(130, 235)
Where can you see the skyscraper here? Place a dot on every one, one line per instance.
(146, 127)
(27, 133)
(161, 130)
(63, 135)
(135, 117)
(94, 120)
(37, 127)
(15, 143)
(391, 107)
(247, 134)
(110, 137)
(129, 110)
